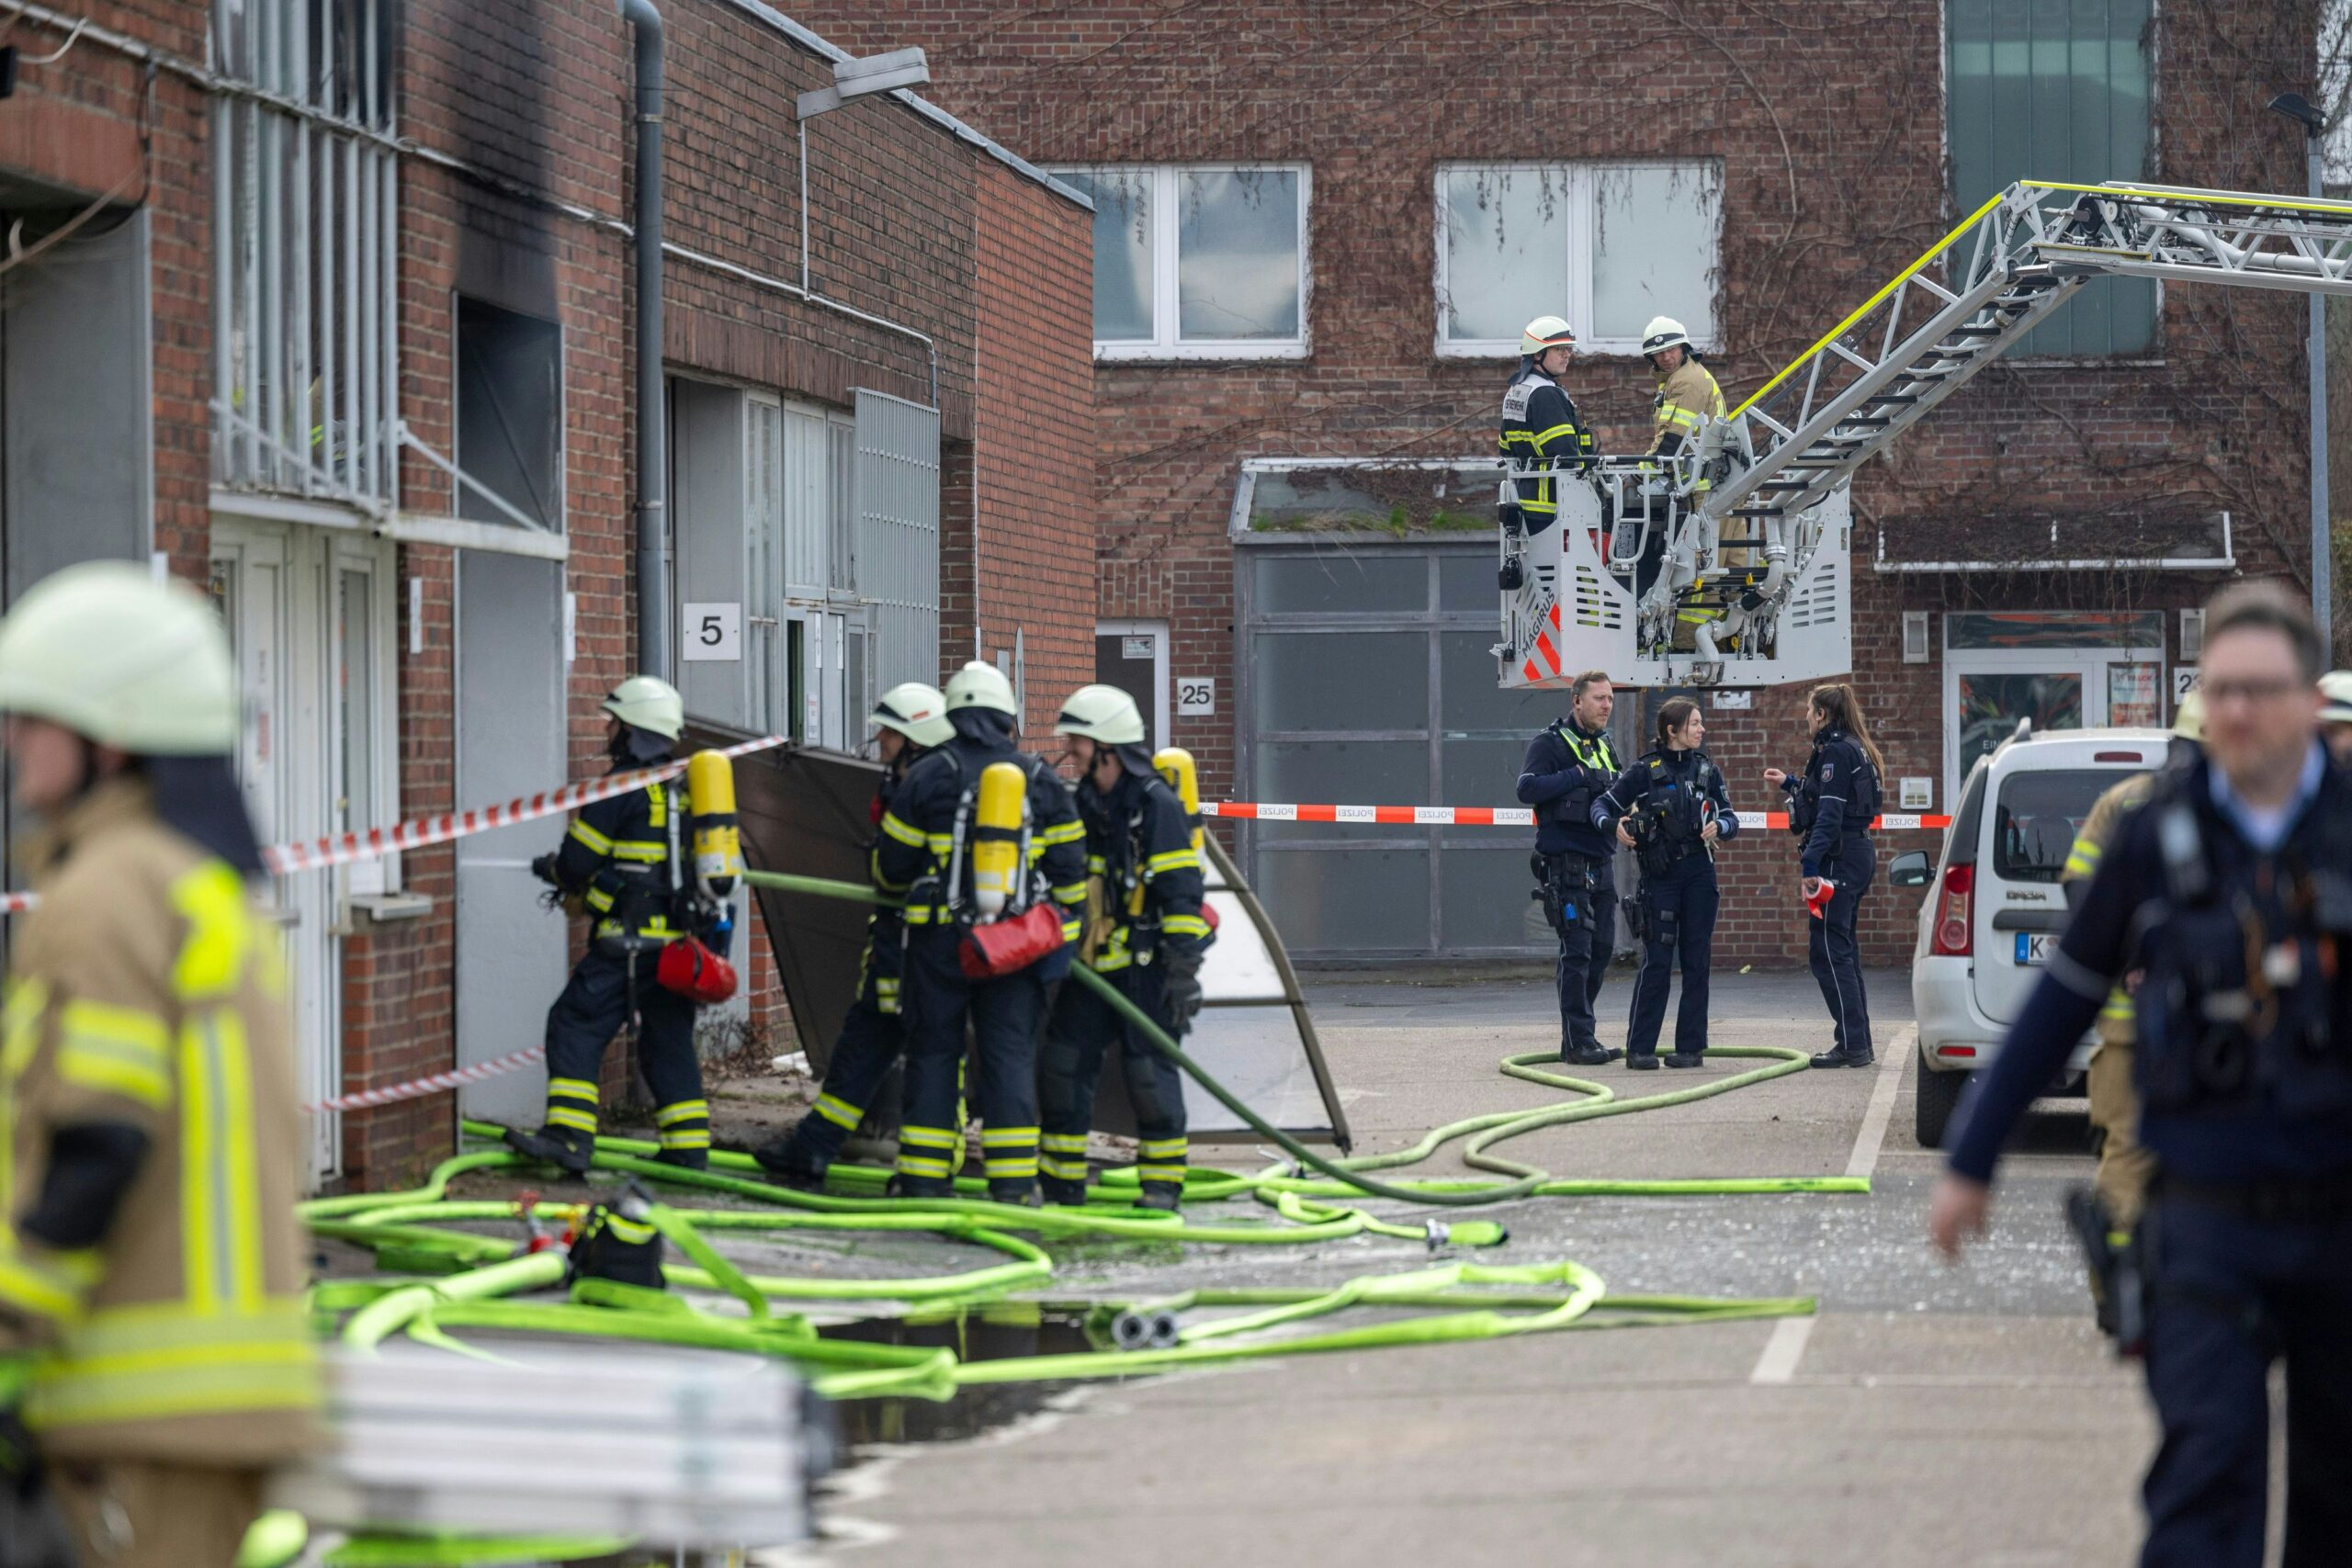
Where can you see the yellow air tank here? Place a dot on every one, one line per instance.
(996, 837)
(719, 840)
(1183, 776)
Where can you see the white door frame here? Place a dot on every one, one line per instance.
(2090, 664)
(1162, 685)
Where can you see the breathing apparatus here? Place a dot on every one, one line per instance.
(1183, 776)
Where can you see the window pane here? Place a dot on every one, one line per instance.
(1342, 681)
(1343, 584)
(1654, 248)
(1505, 245)
(2038, 816)
(1123, 220)
(2054, 90)
(1342, 773)
(1990, 707)
(1326, 900)
(2041, 628)
(1468, 582)
(1474, 697)
(1483, 901)
(1481, 771)
(1237, 253)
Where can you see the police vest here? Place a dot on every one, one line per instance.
(2243, 1000)
(1593, 756)
(1672, 813)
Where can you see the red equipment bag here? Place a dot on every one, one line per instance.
(695, 972)
(1009, 946)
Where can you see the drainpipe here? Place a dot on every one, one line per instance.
(652, 434)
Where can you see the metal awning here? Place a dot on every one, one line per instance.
(2126, 541)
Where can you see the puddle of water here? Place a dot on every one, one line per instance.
(989, 1336)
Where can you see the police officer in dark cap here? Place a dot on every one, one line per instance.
(2230, 892)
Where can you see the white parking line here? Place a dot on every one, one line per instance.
(1882, 1108)
(1777, 1364)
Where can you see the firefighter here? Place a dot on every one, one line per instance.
(2336, 714)
(1687, 394)
(624, 861)
(2121, 1184)
(1671, 809)
(1541, 428)
(1831, 806)
(1145, 932)
(908, 721)
(937, 828)
(154, 1339)
(1566, 769)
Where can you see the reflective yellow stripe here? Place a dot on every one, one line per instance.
(589, 838)
(597, 900)
(1185, 925)
(657, 805)
(1072, 929)
(1111, 959)
(212, 955)
(927, 1137)
(683, 1110)
(1674, 415)
(1165, 1148)
(1173, 859)
(645, 852)
(635, 1232)
(572, 1089)
(1160, 1173)
(692, 1138)
(1000, 1169)
(839, 1111)
(150, 1388)
(1061, 833)
(220, 1195)
(894, 829)
(2117, 1005)
(1064, 1143)
(939, 844)
(1007, 1137)
(1062, 1170)
(49, 1287)
(2082, 859)
(1073, 893)
(27, 1001)
(1544, 507)
(917, 1165)
(1543, 438)
(578, 1120)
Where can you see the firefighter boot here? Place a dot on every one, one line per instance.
(567, 1148)
(1161, 1195)
(785, 1163)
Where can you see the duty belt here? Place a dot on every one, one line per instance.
(2272, 1198)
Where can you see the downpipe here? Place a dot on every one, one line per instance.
(652, 426)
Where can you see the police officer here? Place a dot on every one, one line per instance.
(908, 721)
(1541, 428)
(624, 861)
(2124, 1165)
(925, 852)
(1568, 767)
(1145, 934)
(155, 1356)
(1831, 806)
(1671, 809)
(2231, 892)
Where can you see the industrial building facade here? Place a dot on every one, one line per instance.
(330, 308)
(1316, 242)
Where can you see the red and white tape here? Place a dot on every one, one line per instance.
(1488, 816)
(417, 1089)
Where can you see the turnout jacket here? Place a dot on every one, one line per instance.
(146, 1017)
(916, 851)
(1566, 770)
(1687, 398)
(1541, 429)
(1832, 802)
(2114, 803)
(1139, 851)
(620, 858)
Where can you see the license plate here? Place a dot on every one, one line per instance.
(2033, 947)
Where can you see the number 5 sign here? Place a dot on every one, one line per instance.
(712, 633)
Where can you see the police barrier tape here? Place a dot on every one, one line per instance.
(1490, 816)
(417, 1089)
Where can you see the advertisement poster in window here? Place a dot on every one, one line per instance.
(2134, 696)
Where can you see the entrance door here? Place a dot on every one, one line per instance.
(307, 610)
(1133, 656)
(2058, 671)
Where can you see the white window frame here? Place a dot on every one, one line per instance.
(1575, 297)
(1165, 343)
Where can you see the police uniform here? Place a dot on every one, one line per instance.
(1149, 937)
(624, 859)
(918, 855)
(2240, 924)
(870, 1039)
(1565, 771)
(1669, 798)
(1831, 806)
(149, 1126)
(1541, 429)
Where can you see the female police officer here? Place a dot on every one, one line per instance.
(1830, 808)
(1671, 809)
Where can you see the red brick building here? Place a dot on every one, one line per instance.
(1758, 170)
(333, 309)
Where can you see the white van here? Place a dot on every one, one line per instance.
(1995, 907)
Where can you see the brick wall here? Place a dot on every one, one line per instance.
(1826, 116)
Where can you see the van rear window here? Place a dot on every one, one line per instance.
(2037, 815)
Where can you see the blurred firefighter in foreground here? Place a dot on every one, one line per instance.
(158, 1362)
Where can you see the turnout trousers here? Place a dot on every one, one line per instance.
(592, 1007)
(1682, 901)
(1005, 1014)
(1586, 942)
(869, 1043)
(1083, 1028)
(1830, 948)
(2232, 1294)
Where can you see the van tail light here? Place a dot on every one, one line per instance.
(1954, 933)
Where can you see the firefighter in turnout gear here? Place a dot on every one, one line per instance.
(1831, 806)
(1671, 809)
(933, 835)
(2230, 892)
(1687, 394)
(624, 861)
(1145, 931)
(1567, 768)
(1541, 428)
(154, 1339)
(908, 721)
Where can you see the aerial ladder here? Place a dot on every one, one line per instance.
(1728, 563)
